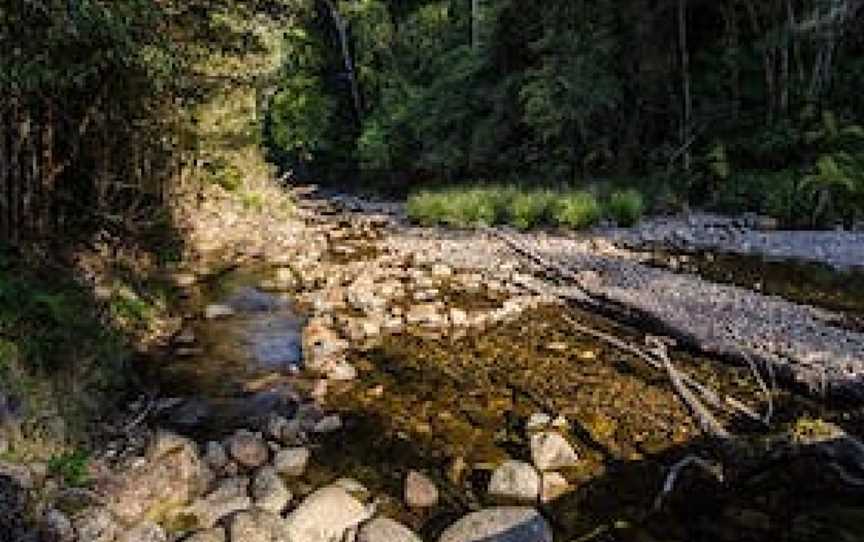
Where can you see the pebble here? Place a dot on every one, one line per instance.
(553, 486)
(214, 311)
(269, 491)
(248, 449)
(551, 451)
(420, 491)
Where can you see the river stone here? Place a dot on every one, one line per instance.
(269, 491)
(173, 475)
(248, 449)
(325, 516)
(341, 371)
(538, 421)
(292, 461)
(328, 424)
(386, 530)
(420, 491)
(230, 496)
(215, 310)
(258, 525)
(216, 534)
(504, 524)
(553, 486)
(515, 480)
(144, 532)
(551, 451)
(215, 455)
(56, 527)
(96, 525)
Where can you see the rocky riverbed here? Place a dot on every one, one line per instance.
(442, 395)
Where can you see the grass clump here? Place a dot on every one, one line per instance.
(625, 207)
(528, 209)
(577, 210)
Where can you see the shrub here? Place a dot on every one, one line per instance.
(625, 207)
(426, 207)
(577, 210)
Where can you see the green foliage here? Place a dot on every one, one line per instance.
(626, 207)
(577, 210)
(72, 467)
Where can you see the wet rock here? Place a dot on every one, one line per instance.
(96, 525)
(144, 532)
(258, 526)
(269, 491)
(56, 527)
(505, 524)
(325, 516)
(216, 534)
(170, 478)
(420, 491)
(215, 455)
(553, 486)
(230, 496)
(248, 449)
(515, 480)
(215, 310)
(292, 461)
(328, 424)
(551, 451)
(386, 530)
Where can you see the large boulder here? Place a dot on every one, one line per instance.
(325, 516)
(170, 477)
(515, 480)
(386, 530)
(504, 524)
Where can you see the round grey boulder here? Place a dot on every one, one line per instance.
(503, 524)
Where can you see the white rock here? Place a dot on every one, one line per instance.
(505, 524)
(386, 530)
(292, 461)
(515, 480)
(551, 451)
(325, 516)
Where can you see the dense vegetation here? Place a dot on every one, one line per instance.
(739, 105)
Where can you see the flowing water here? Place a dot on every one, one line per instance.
(455, 406)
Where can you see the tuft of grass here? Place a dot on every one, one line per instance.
(626, 207)
(72, 467)
(532, 208)
(577, 210)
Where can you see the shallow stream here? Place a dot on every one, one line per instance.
(453, 407)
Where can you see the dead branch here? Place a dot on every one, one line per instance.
(714, 469)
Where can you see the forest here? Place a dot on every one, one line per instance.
(431, 270)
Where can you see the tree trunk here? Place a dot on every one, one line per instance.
(687, 106)
(342, 29)
(5, 179)
(48, 196)
(475, 24)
